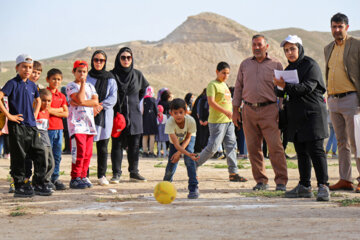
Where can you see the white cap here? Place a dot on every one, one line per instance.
(291, 39)
(24, 58)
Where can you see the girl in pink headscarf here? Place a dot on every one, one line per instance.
(161, 138)
(149, 109)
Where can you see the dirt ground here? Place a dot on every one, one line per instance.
(225, 210)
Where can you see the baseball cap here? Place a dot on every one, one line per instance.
(24, 58)
(118, 126)
(291, 39)
(80, 63)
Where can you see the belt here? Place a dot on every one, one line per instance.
(263, 104)
(341, 95)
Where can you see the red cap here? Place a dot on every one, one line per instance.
(80, 63)
(118, 126)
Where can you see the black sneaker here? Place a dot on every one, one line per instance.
(136, 177)
(193, 194)
(42, 190)
(280, 187)
(59, 185)
(261, 186)
(24, 191)
(77, 183)
(51, 186)
(300, 191)
(236, 178)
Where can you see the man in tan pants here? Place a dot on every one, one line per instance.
(343, 85)
(254, 86)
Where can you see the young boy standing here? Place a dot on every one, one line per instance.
(57, 111)
(83, 98)
(23, 134)
(42, 123)
(220, 123)
(182, 129)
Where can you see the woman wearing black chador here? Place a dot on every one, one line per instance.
(131, 89)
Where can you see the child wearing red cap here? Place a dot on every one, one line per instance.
(83, 98)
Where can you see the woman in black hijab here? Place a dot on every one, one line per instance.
(131, 89)
(307, 118)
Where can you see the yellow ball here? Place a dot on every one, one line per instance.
(165, 192)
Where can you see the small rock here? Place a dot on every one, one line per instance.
(112, 190)
(100, 215)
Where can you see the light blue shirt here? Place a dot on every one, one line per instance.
(108, 103)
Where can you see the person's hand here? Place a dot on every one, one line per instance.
(15, 118)
(194, 156)
(279, 82)
(73, 103)
(98, 109)
(229, 114)
(176, 157)
(205, 123)
(236, 118)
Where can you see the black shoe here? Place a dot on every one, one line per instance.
(59, 185)
(193, 194)
(51, 186)
(236, 178)
(261, 186)
(300, 191)
(280, 187)
(24, 191)
(136, 177)
(216, 155)
(145, 155)
(42, 190)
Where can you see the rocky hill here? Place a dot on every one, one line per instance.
(185, 61)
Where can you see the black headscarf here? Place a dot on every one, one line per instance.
(102, 80)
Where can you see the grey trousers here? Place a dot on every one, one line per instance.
(342, 111)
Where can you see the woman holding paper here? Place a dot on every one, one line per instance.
(306, 116)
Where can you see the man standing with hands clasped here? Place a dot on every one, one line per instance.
(254, 86)
(342, 58)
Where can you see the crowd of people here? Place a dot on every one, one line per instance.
(224, 122)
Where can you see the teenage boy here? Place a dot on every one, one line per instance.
(23, 134)
(57, 111)
(182, 129)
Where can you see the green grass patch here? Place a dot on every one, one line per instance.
(17, 214)
(219, 165)
(160, 165)
(267, 194)
(354, 202)
(332, 194)
(62, 173)
(291, 165)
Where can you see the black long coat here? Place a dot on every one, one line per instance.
(305, 107)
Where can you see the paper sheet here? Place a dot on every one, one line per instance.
(289, 76)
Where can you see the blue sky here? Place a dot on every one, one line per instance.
(47, 28)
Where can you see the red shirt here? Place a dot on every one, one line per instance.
(58, 101)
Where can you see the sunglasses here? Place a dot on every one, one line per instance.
(125, 57)
(99, 60)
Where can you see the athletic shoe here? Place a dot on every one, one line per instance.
(193, 194)
(136, 177)
(103, 181)
(77, 183)
(51, 186)
(280, 187)
(236, 178)
(323, 193)
(59, 185)
(87, 182)
(261, 186)
(42, 190)
(24, 191)
(300, 191)
(115, 180)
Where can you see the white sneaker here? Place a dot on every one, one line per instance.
(103, 181)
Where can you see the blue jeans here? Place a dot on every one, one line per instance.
(189, 163)
(56, 137)
(221, 133)
(332, 141)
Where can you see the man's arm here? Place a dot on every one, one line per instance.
(237, 97)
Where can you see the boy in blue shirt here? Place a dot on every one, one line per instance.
(182, 129)
(23, 135)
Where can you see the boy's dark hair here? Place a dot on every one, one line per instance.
(177, 103)
(222, 65)
(52, 72)
(37, 66)
(165, 96)
(44, 92)
(340, 18)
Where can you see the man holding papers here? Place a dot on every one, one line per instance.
(307, 118)
(342, 58)
(254, 86)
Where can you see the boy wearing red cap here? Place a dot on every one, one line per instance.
(83, 98)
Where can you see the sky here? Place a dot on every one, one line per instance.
(44, 28)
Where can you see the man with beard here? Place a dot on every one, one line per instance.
(255, 88)
(342, 58)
